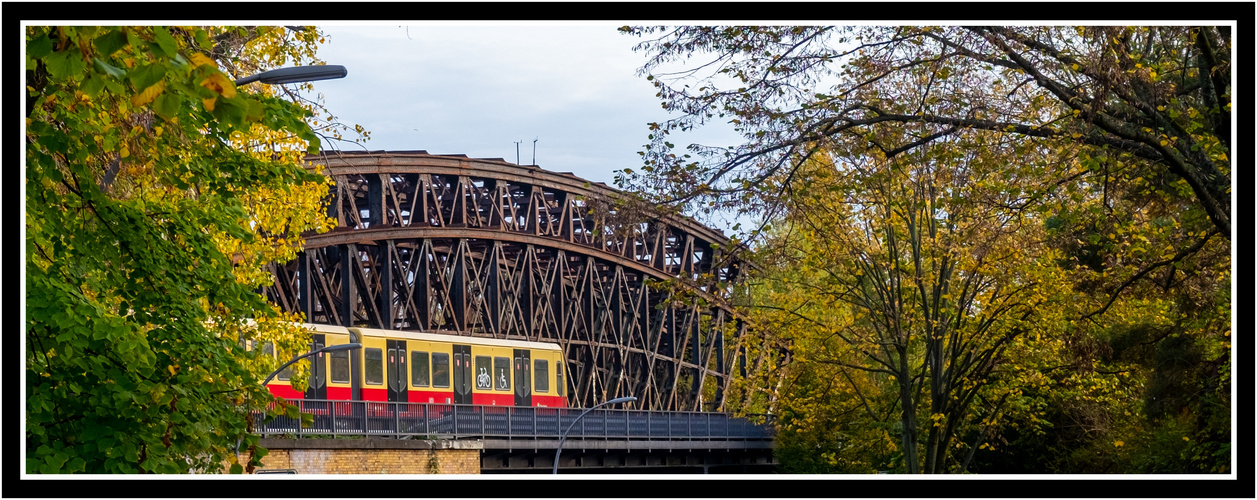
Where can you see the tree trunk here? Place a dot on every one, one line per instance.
(909, 418)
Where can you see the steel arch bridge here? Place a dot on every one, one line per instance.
(487, 248)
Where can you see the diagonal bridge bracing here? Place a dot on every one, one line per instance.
(486, 248)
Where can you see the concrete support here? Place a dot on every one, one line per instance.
(373, 456)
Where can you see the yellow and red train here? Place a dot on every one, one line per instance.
(403, 366)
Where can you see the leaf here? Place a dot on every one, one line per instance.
(76, 464)
(165, 42)
(229, 113)
(145, 76)
(93, 85)
(66, 63)
(198, 59)
(109, 69)
(110, 42)
(253, 109)
(167, 105)
(148, 94)
(220, 85)
(55, 461)
(38, 48)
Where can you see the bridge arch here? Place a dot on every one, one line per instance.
(487, 248)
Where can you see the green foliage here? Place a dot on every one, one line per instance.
(134, 360)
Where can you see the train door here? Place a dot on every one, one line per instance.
(396, 371)
(462, 374)
(317, 388)
(523, 378)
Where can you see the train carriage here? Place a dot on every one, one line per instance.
(403, 366)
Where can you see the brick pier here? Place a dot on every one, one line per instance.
(373, 456)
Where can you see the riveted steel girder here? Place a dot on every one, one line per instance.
(473, 247)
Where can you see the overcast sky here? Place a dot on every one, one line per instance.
(477, 89)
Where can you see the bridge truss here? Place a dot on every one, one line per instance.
(486, 248)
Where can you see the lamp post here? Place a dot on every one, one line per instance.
(330, 348)
(563, 436)
(296, 74)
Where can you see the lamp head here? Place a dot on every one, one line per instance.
(296, 74)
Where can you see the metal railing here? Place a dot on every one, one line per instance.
(371, 418)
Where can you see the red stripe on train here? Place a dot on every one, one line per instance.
(493, 399)
(369, 394)
(285, 391)
(548, 401)
(339, 393)
(442, 397)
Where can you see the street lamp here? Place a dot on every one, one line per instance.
(562, 437)
(330, 348)
(296, 74)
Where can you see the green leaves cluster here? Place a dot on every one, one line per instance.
(133, 356)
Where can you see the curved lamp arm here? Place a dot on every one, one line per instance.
(563, 436)
(334, 348)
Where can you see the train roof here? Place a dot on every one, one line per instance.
(459, 339)
(327, 328)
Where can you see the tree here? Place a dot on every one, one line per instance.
(1157, 94)
(1104, 147)
(915, 280)
(155, 189)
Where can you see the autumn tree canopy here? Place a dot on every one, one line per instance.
(981, 249)
(155, 192)
(1158, 94)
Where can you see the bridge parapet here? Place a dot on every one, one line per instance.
(482, 247)
(517, 423)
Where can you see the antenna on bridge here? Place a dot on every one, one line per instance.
(534, 151)
(517, 151)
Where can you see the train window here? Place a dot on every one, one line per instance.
(340, 367)
(541, 375)
(440, 369)
(502, 373)
(269, 350)
(484, 375)
(419, 368)
(374, 365)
